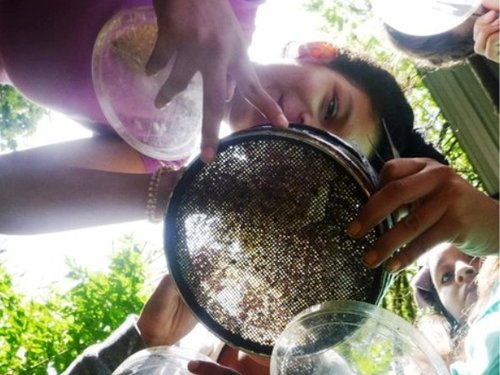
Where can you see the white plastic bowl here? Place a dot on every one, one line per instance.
(160, 360)
(126, 94)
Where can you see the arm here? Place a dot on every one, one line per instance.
(205, 36)
(70, 185)
(165, 318)
(442, 207)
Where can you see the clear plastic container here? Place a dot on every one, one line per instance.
(160, 360)
(126, 94)
(347, 338)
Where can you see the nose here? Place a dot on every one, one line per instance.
(307, 118)
(464, 272)
(297, 110)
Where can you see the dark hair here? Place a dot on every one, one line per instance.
(390, 104)
(434, 301)
(439, 50)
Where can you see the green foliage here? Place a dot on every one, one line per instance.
(28, 329)
(399, 297)
(38, 335)
(18, 117)
(371, 357)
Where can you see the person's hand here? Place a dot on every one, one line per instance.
(208, 368)
(491, 4)
(486, 36)
(205, 36)
(443, 207)
(165, 318)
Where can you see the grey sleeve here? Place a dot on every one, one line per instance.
(105, 357)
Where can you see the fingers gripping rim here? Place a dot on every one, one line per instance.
(259, 234)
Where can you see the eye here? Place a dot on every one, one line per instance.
(446, 277)
(331, 109)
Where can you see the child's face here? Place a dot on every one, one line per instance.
(453, 274)
(314, 95)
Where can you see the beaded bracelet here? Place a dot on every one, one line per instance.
(153, 212)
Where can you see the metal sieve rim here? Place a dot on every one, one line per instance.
(333, 147)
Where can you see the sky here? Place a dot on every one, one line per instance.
(37, 262)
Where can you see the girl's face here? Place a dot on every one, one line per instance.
(453, 274)
(314, 95)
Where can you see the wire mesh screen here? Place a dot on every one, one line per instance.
(259, 235)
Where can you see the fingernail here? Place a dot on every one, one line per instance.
(208, 155)
(161, 100)
(354, 229)
(281, 120)
(392, 265)
(370, 259)
(152, 67)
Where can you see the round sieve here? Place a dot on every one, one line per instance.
(259, 235)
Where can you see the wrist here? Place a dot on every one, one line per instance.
(149, 333)
(146, 339)
(160, 188)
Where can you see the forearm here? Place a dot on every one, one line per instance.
(246, 11)
(73, 185)
(52, 199)
(491, 224)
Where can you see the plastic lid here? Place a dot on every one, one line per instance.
(126, 94)
(347, 338)
(425, 17)
(160, 360)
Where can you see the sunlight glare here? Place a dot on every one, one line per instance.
(38, 261)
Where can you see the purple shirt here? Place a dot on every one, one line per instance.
(46, 50)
